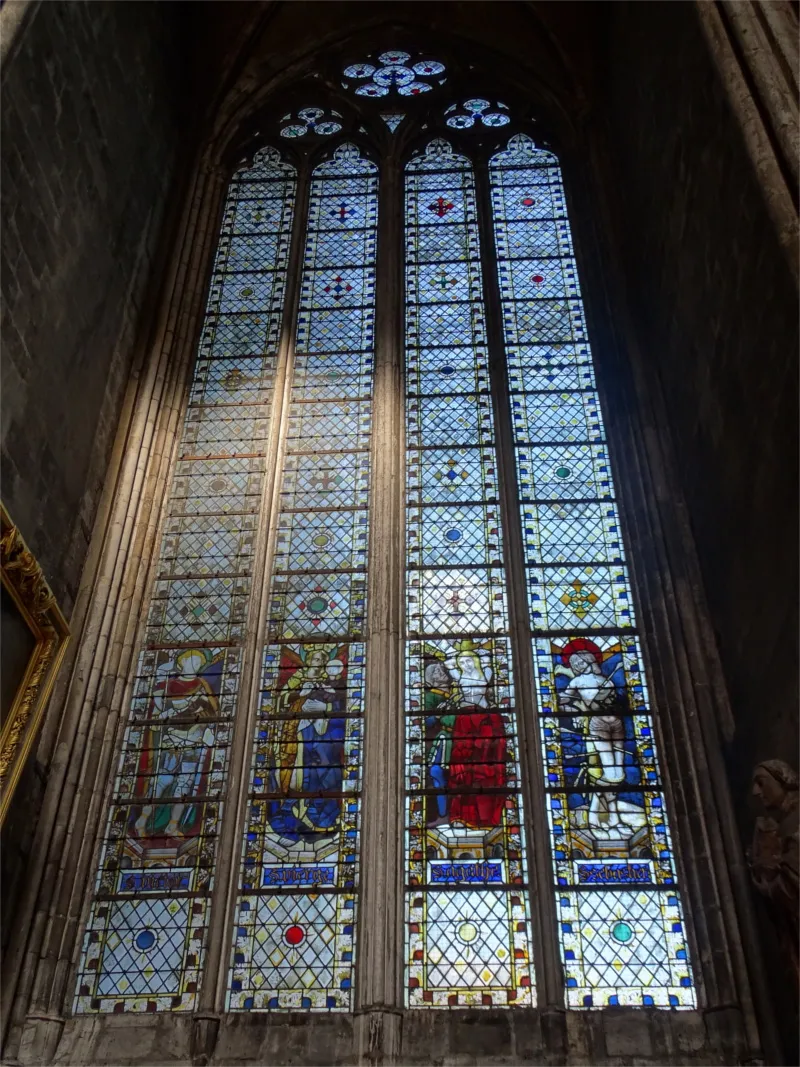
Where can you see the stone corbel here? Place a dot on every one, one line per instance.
(773, 856)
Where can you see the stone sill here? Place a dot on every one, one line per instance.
(461, 1038)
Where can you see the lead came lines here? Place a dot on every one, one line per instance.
(620, 924)
(144, 945)
(468, 936)
(621, 929)
(294, 942)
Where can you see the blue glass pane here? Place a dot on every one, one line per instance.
(392, 72)
(295, 927)
(311, 120)
(392, 120)
(476, 111)
(621, 934)
(145, 942)
(468, 935)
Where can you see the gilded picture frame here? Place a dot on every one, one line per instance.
(40, 634)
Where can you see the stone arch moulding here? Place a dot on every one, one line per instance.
(40, 1029)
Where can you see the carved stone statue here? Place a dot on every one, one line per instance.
(774, 854)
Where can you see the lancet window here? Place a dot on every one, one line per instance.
(532, 801)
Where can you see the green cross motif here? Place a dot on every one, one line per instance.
(441, 281)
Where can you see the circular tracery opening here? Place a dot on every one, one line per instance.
(311, 120)
(394, 70)
(475, 111)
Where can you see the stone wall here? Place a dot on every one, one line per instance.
(614, 1038)
(91, 134)
(714, 308)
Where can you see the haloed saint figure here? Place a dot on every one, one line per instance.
(599, 746)
(307, 758)
(176, 752)
(466, 747)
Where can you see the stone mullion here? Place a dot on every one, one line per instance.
(67, 837)
(144, 548)
(691, 711)
(380, 931)
(227, 867)
(549, 978)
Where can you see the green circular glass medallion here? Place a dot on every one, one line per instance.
(563, 472)
(317, 605)
(622, 932)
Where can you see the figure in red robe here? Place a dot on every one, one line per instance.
(469, 746)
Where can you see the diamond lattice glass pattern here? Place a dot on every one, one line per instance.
(468, 931)
(144, 943)
(295, 929)
(622, 934)
(392, 120)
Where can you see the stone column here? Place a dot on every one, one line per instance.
(765, 35)
(379, 949)
(549, 979)
(13, 21)
(691, 711)
(39, 963)
(749, 43)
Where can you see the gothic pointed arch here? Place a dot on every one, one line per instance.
(400, 724)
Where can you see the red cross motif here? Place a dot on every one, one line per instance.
(338, 288)
(324, 481)
(454, 600)
(440, 207)
(342, 211)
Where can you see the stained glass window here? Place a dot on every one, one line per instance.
(295, 927)
(292, 835)
(621, 928)
(476, 112)
(311, 120)
(468, 932)
(394, 71)
(144, 944)
(392, 120)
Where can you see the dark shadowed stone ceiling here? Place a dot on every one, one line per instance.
(240, 54)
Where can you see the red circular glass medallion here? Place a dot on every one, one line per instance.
(294, 935)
